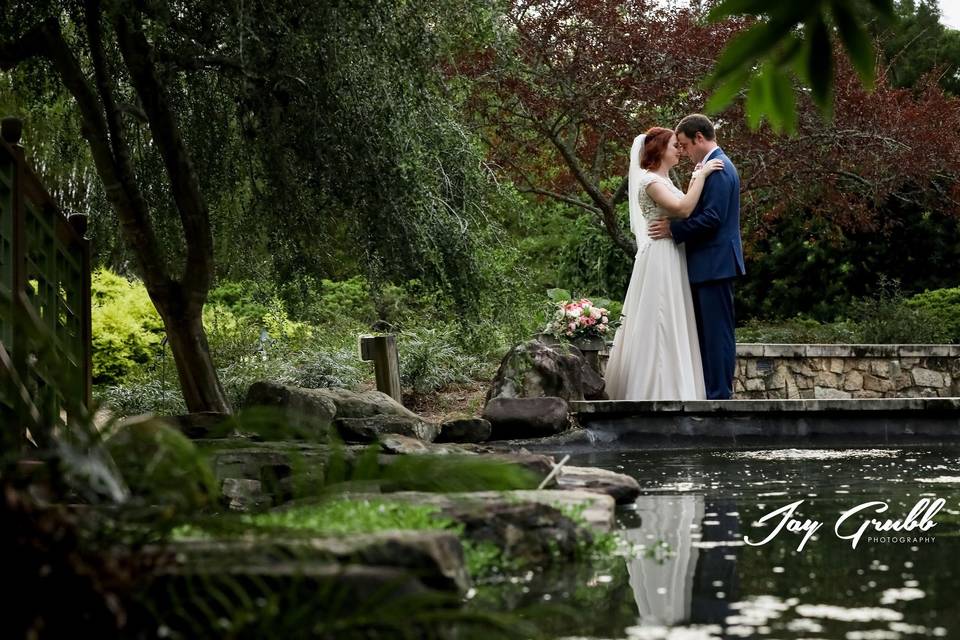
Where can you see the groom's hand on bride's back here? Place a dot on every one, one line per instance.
(659, 229)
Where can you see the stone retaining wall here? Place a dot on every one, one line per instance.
(829, 371)
(775, 371)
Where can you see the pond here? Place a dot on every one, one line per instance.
(691, 574)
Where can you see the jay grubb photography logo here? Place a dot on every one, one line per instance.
(854, 523)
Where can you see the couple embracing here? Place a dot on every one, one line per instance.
(676, 339)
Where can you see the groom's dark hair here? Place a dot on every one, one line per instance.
(697, 123)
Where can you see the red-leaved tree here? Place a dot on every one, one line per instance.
(571, 82)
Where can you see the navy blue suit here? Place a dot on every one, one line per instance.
(714, 259)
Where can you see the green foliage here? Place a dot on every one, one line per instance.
(921, 44)
(886, 318)
(774, 46)
(346, 299)
(161, 465)
(348, 517)
(127, 330)
(432, 358)
(943, 307)
(798, 330)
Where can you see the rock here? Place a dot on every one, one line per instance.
(596, 509)
(160, 464)
(400, 444)
(308, 412)
(526, 417)
(619, 486)
(465, 430)
(203, 424)
(534, 369)
(363, 404)
(526, 532)
(433, 557)
(853, 381)
(372, 428)
(926, 378)
(826, 393)
(241, 494)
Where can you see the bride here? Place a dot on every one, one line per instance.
(655, 354)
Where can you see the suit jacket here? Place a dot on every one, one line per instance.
(712, 231)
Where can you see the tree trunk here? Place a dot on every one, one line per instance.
(199, 382)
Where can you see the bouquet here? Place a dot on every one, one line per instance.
(579, 319)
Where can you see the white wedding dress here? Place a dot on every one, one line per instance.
(655, 354)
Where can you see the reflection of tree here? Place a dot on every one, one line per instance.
(662, 583)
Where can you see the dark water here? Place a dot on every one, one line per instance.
(691, 575)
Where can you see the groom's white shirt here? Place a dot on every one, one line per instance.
(710, 153)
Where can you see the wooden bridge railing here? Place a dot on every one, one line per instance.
(44, 287)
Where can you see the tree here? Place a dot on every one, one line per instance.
(110, 40)
(573, 82)
(569, 85)
(301, 141)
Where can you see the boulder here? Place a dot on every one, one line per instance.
(307, 412)
(363, 404)
(526, 417)
(400, 444)
(465, 430)
(535, 369)
(435, 558)
(619, 486)
(372, 428)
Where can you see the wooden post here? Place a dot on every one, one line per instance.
(382, 350)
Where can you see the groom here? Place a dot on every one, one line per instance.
(714, 253)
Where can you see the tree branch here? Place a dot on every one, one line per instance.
(562, 198)
(194, 215)
(123, 194)
(607, 212)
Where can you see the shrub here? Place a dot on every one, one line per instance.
(432, 359)
(944, 306)
(887, 319)
(799, 330)
(127, 330)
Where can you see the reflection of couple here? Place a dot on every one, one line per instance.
(676, 341)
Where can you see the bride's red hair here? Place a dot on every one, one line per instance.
(654, 147)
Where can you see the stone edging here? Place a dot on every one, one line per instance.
(757, 350)
(635, 407)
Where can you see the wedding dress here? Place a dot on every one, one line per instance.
(655, 354)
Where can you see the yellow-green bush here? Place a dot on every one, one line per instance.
(127, 330)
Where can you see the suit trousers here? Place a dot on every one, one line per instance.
(713, 305)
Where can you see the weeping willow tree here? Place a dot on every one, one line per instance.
(255, 133)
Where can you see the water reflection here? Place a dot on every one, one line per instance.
(662, 573)
(693, 574)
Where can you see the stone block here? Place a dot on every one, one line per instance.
(852, 381)
(926, 350)
(873, 383)
(826, 379)
(829, 393)
(828, 351)
(776, 380)
(880, 368)
(750, 350)
(903, 381)
(804, 382)
(863, 393)
(754, 384)
(926, 378)
(784, 351)
(836, 365)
